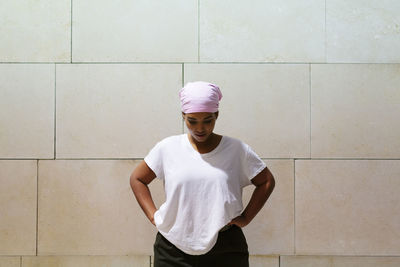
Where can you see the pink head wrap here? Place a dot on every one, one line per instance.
(200, 97)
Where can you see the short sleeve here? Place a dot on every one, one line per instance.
(154, 160)
(252, 165)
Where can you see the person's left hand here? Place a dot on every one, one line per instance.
(240, 221)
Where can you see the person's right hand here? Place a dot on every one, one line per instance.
(152, 219)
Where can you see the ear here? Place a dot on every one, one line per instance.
(216, 114)
(183, 115)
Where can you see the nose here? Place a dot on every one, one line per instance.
(200, 128)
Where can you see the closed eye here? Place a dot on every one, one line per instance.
(194, 122)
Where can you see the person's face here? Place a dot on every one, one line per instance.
(200, 124)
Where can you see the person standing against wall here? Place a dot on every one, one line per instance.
(203, 174)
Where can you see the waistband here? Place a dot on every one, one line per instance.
(226, 227)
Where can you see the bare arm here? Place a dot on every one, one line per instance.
(140, 178)
(265, 183)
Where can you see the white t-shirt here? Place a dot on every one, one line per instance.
(203, 191)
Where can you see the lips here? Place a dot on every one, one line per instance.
(200, 135)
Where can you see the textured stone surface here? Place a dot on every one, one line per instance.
(17, 208)
(26, 110)
(10, 261)
(86, 261)
(116, 110)
(365, 31)
(264, 261)
(86, 207)
(255, 106)
(347, 207)
(272, 230)
(263, 31)
(142, 31)
(35, 31)
(355, 110)
(337, 261)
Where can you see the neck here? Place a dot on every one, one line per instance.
(206, 143)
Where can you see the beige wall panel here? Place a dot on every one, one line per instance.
(142, 30)
(116, 110)
(355, 111)
(336, 261)
(305, 261)
(272, 230)
(263, 31)
(17, 208)
(88, 208)
(347, 207)
(264, 105)
(365, 31)
(366, 261)
(10, 261)
(26, 111)
(86, 261)
(264, 261)
(35, 31)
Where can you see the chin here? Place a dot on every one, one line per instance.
(201, 139)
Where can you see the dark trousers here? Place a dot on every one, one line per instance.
(230, 250)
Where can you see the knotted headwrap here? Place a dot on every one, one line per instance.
(200, 97)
